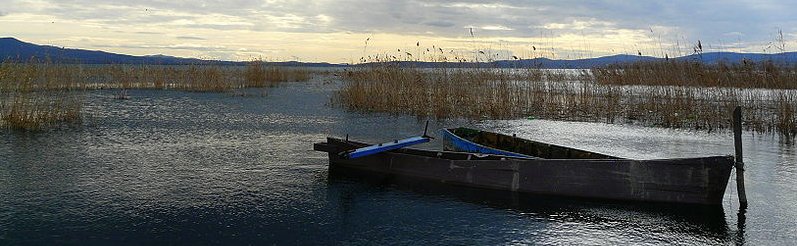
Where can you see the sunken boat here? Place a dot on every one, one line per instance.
(557, 171)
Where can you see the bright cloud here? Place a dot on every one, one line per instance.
(335, 31)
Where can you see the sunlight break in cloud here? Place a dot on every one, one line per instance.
(496, 28)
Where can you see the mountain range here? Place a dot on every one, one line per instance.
(14, 49)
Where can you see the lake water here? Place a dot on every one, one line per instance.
(171, 167)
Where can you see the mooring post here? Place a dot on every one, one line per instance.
(737, 141)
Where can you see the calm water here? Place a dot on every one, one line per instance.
(201, 168)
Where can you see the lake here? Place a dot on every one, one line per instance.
(170, 167)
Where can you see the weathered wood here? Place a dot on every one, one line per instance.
(452, 141)
(382, 147)
(478, 141)
(690, 180)
(737, 142)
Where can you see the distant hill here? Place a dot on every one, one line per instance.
(11, 48)
(732, 57)
(578, 63)
(530, 63)
(14, 49)
(789, 58)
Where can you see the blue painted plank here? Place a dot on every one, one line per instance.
(458, 143)
(379, 148)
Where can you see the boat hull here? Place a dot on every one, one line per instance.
(477, 141)
(693, 180)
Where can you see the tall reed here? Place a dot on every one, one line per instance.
(570, 95)
(748, 74)
(211, 78)
(38, 93)
(34, 96)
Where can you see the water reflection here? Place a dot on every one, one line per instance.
(741, 220)
(703, 224)
(171, 167)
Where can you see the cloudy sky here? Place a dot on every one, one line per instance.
(348, 30)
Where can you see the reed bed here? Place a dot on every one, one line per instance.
(36, 111)
(23, 105)
(515, 94)
(211, 78)
(38, 94)
(748, 74)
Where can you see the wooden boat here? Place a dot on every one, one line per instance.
(566, 172)
(477, 141)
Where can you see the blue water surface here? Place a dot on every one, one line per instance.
(170, 167)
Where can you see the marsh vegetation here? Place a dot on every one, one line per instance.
(673, 94)
(38, 94)
(663, 95)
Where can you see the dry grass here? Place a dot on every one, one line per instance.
(35, 111)
(36, 94)
(211, 78)
(513, 94)
(767, 75)
(24, 105)
(257, 74)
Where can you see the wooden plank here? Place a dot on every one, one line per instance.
(379, 148)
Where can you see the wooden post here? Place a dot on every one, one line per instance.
(737, 141)
(426, 128)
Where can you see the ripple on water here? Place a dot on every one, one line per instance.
(172, 167)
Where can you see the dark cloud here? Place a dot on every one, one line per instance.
(667, 20)
(190, 38)
(439, 23)
(3, 13)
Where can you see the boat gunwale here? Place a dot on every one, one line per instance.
(447, 130)
(679, 161)
(481, 156)
(610, 157)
